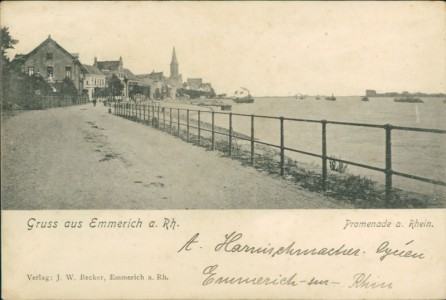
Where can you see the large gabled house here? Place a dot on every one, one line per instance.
(52, 62)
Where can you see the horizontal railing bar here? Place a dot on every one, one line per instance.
(419, 129)
(419, 178)
(268, 144)
(302, 120)
(208, 130)
(303, 152)
(357, 164)
(356, 124)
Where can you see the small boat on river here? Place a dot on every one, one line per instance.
(332, 98)
(242, 95)
(365, 99)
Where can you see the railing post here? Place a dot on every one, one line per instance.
(170, 119)
(252, 140)
(164, 119)
(144, 113)
(158, 114)
(230, 134)
(178, 121)
(213, 131)
(199, 127)
(282, 146)
(324, 154)
(388, 129)
(187, 123)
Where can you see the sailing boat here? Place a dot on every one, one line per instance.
(242, 95)
(332, 98)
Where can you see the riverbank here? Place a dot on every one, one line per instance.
(360, 191)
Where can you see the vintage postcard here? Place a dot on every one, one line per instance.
(223, 150)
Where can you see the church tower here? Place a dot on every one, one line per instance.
(174, 65)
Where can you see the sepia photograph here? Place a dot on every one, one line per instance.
(221, 111)
(179, 107)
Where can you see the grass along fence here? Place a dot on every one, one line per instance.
(178, 121)
(45, 102)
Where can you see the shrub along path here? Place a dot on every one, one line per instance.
(82, 157)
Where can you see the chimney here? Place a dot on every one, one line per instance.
(95, 63)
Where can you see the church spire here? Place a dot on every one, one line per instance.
(174, 57)
(174, 64)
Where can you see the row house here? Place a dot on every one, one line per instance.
(197, 84)
(53, 63)
(94, 79)
(115, 67)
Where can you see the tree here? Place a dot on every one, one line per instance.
(67, 88)
(115, 86)
(7, 43)
(100, 92)
(138, 90)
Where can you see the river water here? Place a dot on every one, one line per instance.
(416, 153)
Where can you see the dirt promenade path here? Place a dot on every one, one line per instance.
(85, 158)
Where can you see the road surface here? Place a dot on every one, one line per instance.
(82, 157)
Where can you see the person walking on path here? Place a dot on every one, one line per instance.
(94, 102)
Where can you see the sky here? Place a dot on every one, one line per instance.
(271, 48)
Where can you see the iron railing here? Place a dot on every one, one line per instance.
(132, 109)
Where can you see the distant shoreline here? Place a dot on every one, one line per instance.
(375, 96)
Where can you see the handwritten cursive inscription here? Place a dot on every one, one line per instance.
(386, 250)
(212, 278)
(361, 280)
(230, 245)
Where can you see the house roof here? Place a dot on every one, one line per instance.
(129, 75)
(207, 84)
(126, 73)
(47, 41)
(92, 70)
(145, 78)
(111, 65)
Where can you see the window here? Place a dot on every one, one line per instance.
(49, 56)
(49, 71)
(68, 72)
(30, 71)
